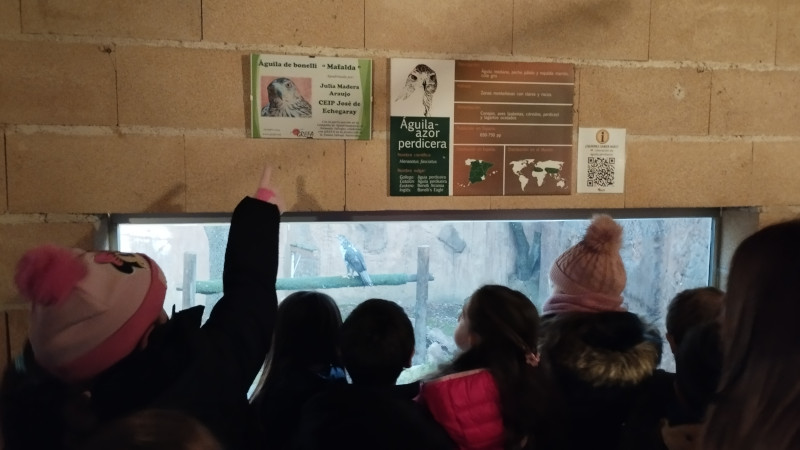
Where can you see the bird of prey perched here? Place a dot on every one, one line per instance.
(354, 261)
(285, 100)
(424, 76)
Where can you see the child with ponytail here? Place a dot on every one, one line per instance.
(496, 394)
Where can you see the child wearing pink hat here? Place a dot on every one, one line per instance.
(600, 353)
(100, 346)
(590, 275)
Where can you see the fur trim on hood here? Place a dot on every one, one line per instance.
(607, 349)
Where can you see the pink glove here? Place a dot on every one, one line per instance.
(266, 192)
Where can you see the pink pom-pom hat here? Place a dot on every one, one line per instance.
(88, 309)
(590, 275)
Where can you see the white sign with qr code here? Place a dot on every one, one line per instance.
(601, 160)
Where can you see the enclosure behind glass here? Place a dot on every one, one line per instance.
(662, 256)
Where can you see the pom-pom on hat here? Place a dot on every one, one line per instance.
(88, 309)
(590, 275)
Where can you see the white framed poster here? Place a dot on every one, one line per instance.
(310, 97)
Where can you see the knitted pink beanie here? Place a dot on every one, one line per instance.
(590, 275)
(88, 309)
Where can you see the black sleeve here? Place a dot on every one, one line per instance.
(241, 323)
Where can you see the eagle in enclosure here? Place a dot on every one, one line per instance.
(425, 77)
(285, 100)
(354, 261)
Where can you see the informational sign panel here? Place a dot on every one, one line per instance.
(601, 160)
(480, 128)
(421, 126)
(310, 97)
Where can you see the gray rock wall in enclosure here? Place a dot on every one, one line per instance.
(661, 256)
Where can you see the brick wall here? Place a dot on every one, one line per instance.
(115, 107)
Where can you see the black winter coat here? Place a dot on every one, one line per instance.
(281, 400)
(358, 417)
(601, 362)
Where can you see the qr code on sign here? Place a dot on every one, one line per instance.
(601, 171)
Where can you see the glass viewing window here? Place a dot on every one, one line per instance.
(664, 253)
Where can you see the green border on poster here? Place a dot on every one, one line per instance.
(255, 130)
(365, 68)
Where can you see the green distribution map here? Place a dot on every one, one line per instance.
(478, 170)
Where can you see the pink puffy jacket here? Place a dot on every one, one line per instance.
(467, 405)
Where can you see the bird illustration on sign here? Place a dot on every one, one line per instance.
(424, 77)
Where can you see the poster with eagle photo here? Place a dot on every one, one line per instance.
(310, 97)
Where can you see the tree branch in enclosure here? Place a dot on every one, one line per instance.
(302, 283)
(527, 254)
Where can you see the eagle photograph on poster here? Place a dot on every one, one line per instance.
(286, 97)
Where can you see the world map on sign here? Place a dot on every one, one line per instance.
(542, 172)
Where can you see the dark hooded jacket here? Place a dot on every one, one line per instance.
(204, 371)
(601, 362)
(281, 400)
(369, 417)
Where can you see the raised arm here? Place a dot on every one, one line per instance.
(242, 321)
